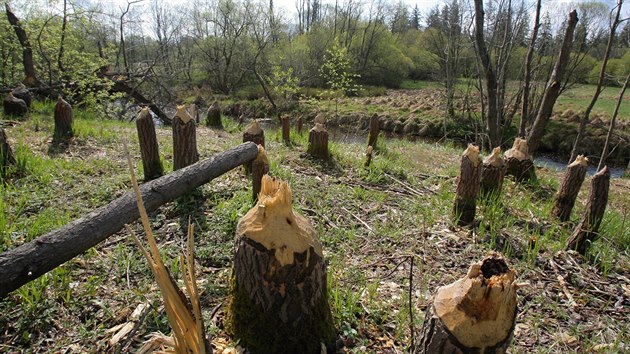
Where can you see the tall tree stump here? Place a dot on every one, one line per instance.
(286, 130)
(24, 94)
(468, 186)
(300, 126)
(586, 232)
(14, 106)
(492, 174)
(260, 167)
(184, 139)
(278, 290)
(565, 198)
(374, 130)
(149, 150)
(475, 314)
(318, 142)
(6, 154)
(519, 163)
(253, 132)
(213, 116)
(63, 120)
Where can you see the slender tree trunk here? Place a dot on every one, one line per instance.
(64, 22)
(260, 167)
(553, 86)
(149, 150)
(30, 73)
(528, 73)
(468, 186)
(374, 130)
(63, 120)
(492, 174)
(611, 128)
(184, 140)
(318, 142)
(565, 198)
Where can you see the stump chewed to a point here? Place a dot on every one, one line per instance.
(565, 198)
(374, 130)
(320, 119)
(368, 156)
(6, 154)
(253, 132)
(184, 139)
(519, 162)
(213, 117)
(14, 106)
(475, 314)
(318, 142)
(260, 167)
(467, 186)
(586, 232)
(278, 290)
(149, 150)
(492, 174)
(63, 120)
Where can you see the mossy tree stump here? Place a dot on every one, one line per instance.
(318, 142)
(63, 120)
(565, 198)
(586, 232)
(149, 150)
(184, 139)
(492, 174)
(260, 167)
(278, 290)
(253, 132)
(213, 116)
(468, 186)
(475, 314)
(286, 130)
(519, 163)
(374, 130)
(14, 106)
(6, 154)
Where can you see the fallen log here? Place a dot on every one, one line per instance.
(29, 261)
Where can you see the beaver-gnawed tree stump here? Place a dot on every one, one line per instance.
(368, 156)
(475, 314)
(6, 154)
(374, 130)
(184, 139)
(519, 163)
(586, 232)
(565, 198)
(467, 186)
(300, 126)
(24, 94)
(278, 290)
(63, 120)
(253, 132)
(492, 174)
(260, 167)
(318, 142)
(320, 119)
(149, 150)
(213, 116)
(286, 130)
(14, 106)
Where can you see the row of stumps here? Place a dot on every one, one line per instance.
(485, 179)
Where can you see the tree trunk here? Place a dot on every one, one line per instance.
(611, 127)
(184, 139)
(14, 106)
(30, 73)
(587, 230)
(374, 130)
(123, 87)
(63, 120)
(492, 174)
(253, 132)
(467, 186)
(519, 163)
(475, 314)
(260, 167)
(27, 262)
(368, 156)
(300, 125)
(553, 86)
(318, 142)
(286, 130)
(213, 117)
(149, 151)
(278, 290)
(6, 154)
(528, 73)
(565, 198)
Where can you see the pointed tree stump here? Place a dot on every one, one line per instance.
(300, 126)
(492, 174)
(253, 132)
(318, 142)
(24, 94)
(213, 116)
(368, 156)
(278, 290)
(149, 150)
(586, 232)
(565, 198)
(519, 163)
(475, 314)
(286, 130)
(374, 130)
(194, 112)
(468, 186)
(6, 154)
(184, 139)
(320, 119)
(260, 167)
(63, 120)
(14, 106)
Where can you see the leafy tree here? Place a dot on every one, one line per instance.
(336, 72)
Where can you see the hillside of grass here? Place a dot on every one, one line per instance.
(372, 222)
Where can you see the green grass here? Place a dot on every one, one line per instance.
(579, 97)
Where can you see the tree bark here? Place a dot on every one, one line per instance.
(14, 106)
(475, 314)
(553, 86)
(278, 290)
(565, 198)
(63, 120)
(468, 186)
(6, 154)
(30, 74)
(23, 93)
(318, 142)
(300, 125)
(492, 174)
(213, 117)
(528, 73)
(184, 140)
(519, 163)
(286, 130)
(613, 121)
(149, 150)
(260, 167)
(27, 262)
(253, 132)
(368, 156)
(586, 231)
(374, 130)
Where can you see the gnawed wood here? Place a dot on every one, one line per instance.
(149, 150)
(565, 198)
(260, 167)
(254, 133)
(6, 154)
(519, 163)
(368, 156)
(213, 116)
(374, 130)
(184, 139)
(318, 142)
(492, 174)
(63, 120)
(468, 186)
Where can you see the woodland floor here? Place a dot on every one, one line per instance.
(372, 223)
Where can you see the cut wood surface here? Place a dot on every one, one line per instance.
(368, 156)
(184, 139)
(467, 186)
(63, 120)
(374, 130)
(31, 260)
(519, 163)
(492, 173)
(149, 150)
(254, 133)
(565, 198)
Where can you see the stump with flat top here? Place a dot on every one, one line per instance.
(475, 314)
(586, 232)
(184, 139)
(6, 154)
(14, 106)
(318, 142)
(492, 174)
(260, 167)
(63, 120)
(519, 163)
(149, 150)
(213, 116)
(254, 133)
(286, 130)
(320, 119)
(468, 186)
(278, 297)
(374, 130)
(565, 198)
